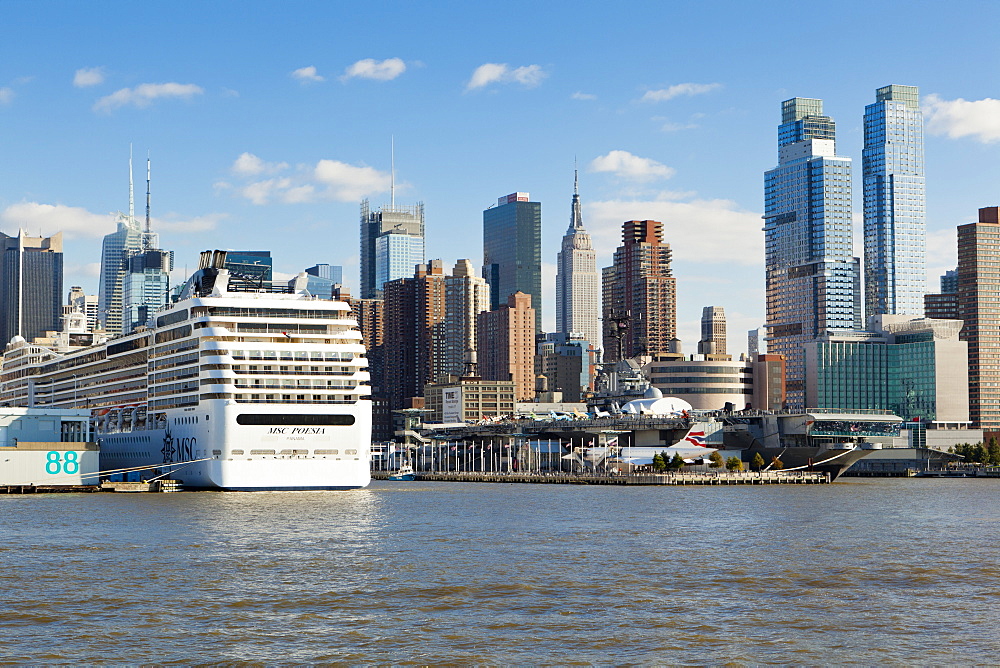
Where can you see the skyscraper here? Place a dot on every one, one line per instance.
(466, 296)
(146, 281)
(507, 344)
(414, 315)
(126, 239)
(145, 286)
(641, 286)
(512, 250)
(894, 202)
(394, 257)
(396, 254)
(578, 287)
(713, 332)
(978, 285)
(31, 274)
(334, 272)
(813, 280)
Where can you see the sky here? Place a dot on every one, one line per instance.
(267, 122)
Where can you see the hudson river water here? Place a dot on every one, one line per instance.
(861, 571)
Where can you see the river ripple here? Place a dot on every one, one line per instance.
(861, 571)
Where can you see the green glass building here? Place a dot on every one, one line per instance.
(914, 367)
(512, 251)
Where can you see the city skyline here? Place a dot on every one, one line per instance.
(275, 147)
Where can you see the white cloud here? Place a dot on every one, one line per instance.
(250, 164)
(326, 180)
(626, 165)
(299, 194)
(693, 228)
(88, 76)
(306, 74)
(6, 95)
(77, 222)
(664, 94)
(489, 73)
(47, 219)
(261, 192)
(347, 183)
(979, 119)
(583, 96)
(145, 94)
(380, 70)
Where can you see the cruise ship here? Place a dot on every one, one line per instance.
(232, 387)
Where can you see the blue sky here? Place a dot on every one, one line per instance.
(267, 122)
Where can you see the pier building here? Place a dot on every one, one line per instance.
(47, 447)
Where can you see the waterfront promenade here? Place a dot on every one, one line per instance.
(675, 478)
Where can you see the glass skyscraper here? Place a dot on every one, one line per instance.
(401, 221)
(894, 203)
(31, 276)
(146, 285)
(813, 280)
(127, 239)
(334, 272)
(915, 368)
(512, 251)
(396, 255)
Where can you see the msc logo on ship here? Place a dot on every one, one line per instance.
(177, 449)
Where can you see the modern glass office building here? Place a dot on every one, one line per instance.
(31, 276)
(125, 240)
(813, 280)
(392, 219)
(914, 367)
(512, 251)
(894, 203)
(333, 272)
(145, 286)
(396, 256)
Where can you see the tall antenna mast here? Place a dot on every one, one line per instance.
(392, 172)
(148, 229)
(131, 197)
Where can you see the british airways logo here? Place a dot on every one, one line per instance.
(696, 438)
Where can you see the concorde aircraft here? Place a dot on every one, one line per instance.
(690, 448)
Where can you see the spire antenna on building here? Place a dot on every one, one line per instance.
(392, 172)
(148, 228)
(131, 195)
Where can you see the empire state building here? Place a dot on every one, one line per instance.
(578, 292)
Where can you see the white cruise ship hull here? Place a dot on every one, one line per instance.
(208, 448)
(231, 387)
